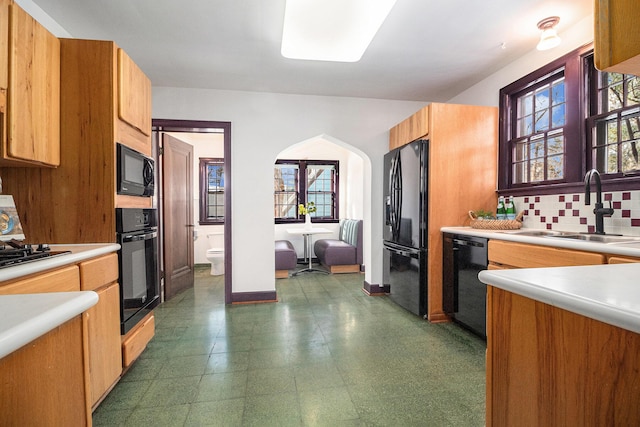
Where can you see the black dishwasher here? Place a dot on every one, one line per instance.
(464, 297)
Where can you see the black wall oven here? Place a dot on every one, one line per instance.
(137, 234)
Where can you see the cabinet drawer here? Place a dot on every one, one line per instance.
(65, 279)
(137, 339)
(532, 256)
(621, 260)
(98, 272)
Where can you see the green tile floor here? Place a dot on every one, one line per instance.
(326, 354)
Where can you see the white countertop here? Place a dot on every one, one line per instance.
(609, 293)
(79, 252)
(27, 317)
(628, 248)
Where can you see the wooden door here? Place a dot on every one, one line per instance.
(177, 208)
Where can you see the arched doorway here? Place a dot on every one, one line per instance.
(355, 184)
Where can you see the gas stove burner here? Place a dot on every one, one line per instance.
(15, 252)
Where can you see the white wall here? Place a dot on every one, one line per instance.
(487, 91)
(263, 125)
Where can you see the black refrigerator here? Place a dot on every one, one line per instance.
(405, 225)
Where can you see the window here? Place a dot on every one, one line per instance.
(614, 122)
(303, 181)
(211, 191)
(538, 140)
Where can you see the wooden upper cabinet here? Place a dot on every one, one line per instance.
(32, 114)
(617, 36)
(134, 94)
(412, 128)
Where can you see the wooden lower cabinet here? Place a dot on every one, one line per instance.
(103, 325)
(105, 357)
(550, 367)
(43, 383)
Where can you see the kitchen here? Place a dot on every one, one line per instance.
(251, 113)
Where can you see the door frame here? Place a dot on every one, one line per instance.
(201, 126)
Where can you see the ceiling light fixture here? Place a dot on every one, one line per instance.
(548, 39)
(331, 30)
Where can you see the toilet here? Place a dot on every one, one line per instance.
(215, 253)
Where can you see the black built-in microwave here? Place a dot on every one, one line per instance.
(135, 172)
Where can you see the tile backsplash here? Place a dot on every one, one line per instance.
(567, 212)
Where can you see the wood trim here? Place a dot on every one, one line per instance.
(337, 269)
(159, 125)
(282, 274)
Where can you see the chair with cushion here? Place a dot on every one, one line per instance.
(286, 258)
(343, 255)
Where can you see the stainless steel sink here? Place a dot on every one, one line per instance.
(597, 238)
(535, 233)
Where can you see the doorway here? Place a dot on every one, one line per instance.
(160, 128)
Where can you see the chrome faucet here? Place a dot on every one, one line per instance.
(599, 208)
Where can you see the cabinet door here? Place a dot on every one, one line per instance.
(134, 94)
(33, 112)
(105, 355)
(616, 36)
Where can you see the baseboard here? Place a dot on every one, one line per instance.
(253, 297)
(375, 290)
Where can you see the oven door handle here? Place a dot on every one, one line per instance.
(139, 237)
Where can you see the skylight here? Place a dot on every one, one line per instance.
(331, 30)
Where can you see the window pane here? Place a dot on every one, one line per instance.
(286, 191)
(555, 144)
(536, 171)
(615, 97)
(542, 120)
(633, 90)
(520, 173)
(555, 167)
(630, 156)
(536, 148)
(558, 115)
(557, 93)
(542, 99)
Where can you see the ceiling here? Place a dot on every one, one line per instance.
(426, 50)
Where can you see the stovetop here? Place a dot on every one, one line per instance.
(14, 252)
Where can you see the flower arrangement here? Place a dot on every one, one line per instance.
(306, 209)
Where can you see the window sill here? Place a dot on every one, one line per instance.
(614, 184)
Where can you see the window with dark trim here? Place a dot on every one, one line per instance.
(211, 191)
(613, 122)
(302, 181)
(549, 139)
